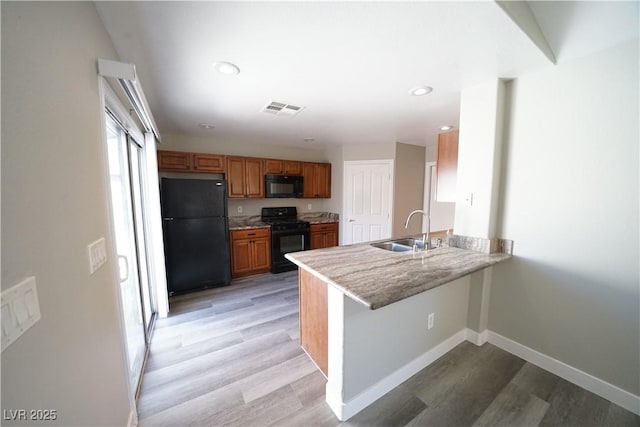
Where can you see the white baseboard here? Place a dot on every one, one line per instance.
(477, 338)
(587, 381)
(346, 410)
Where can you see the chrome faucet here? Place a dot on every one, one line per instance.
(426, 237)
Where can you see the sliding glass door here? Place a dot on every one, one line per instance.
(137, 300)
(147, 293)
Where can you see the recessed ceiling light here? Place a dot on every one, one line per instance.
(309, 139)
(206, 125)
(447, 127)
(421, 90)
(226, 68)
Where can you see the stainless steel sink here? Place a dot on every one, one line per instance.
(391, 246)
(399, 245)
(410, 242)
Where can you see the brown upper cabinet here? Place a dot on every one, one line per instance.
(178, 161)
(245, 177)
(282, 167)
(316, 180)
(175, 161)
(447, 166)
(208, 163)
(292, 168)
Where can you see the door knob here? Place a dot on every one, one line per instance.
(351, 220)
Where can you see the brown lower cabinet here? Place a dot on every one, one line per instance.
(250, 251)
(314, 334)
(324, 235)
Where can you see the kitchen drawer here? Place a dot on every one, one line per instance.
(331, 226)
(250, 233)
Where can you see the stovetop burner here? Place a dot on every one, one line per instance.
(285, 218)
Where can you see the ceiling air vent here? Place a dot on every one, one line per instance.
(281, 109)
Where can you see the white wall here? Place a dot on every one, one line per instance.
(377, 342)
(442, 214)
(430, 152)
(334, 156)
(369, 151)
(54, 203)
(570, 204)
(479, 147)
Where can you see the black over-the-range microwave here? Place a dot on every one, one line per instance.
(280, 186)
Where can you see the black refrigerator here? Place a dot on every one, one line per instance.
(196, 233)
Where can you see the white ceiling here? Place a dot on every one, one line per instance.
(350, 64)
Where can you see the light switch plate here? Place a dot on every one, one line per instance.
(97, 255)
(20, 310)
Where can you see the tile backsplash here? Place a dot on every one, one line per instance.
(254, 206)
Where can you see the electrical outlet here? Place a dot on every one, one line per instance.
(239, 209)
(430, 320)
(309, 207)
(97, 255)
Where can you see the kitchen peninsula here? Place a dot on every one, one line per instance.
(364, 312)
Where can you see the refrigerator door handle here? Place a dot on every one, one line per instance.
(126, 268)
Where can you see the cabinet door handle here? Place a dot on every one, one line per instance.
(251, 234)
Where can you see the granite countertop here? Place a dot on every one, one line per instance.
(249, 222)
(246, 222)
(319, 218)
(376, 277)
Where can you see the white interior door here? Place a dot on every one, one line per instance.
(368, 198)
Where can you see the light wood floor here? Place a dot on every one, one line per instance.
(230, 357)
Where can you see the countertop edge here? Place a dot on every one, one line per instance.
(265, 225)
(248, 227)
(493, 259)
(328, 281)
